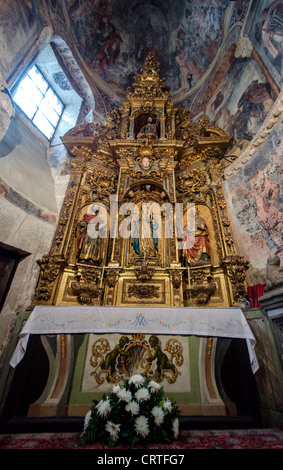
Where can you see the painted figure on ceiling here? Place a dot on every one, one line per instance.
(78, 9)
(272, 28)
(254, 105)
(148, 46)
(98, 41)
(188, 70)
(108, 52)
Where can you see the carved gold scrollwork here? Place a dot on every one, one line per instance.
(191, 181)
(86, 287)
(149, 85)
(236, 268)
(202, 293)
(50, 268)
(144, 273)
(102, 182)
(112, 277)
(176, 278)
(143, 291)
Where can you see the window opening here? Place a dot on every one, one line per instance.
(39, 102)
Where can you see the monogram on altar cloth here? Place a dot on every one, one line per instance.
(215, 322)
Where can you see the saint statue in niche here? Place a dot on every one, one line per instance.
(91, 238)
(144, 234)
(196, 241)
(149, 130)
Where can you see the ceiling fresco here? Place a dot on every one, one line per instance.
(113, 38)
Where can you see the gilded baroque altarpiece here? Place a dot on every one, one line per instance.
(148, 159)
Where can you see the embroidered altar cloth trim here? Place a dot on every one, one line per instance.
(218, 322)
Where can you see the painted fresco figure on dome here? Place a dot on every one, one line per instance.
(148, 45)
(188, 69)
(108, 52)
(272, 29)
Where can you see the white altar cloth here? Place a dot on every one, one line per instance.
(218, 322)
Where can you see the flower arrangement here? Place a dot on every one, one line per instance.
(136, 413)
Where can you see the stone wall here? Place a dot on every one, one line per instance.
(28, 212)
(33, 234)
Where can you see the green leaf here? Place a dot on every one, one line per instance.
(134, 441)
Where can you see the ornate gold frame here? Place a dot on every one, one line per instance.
(180, 162)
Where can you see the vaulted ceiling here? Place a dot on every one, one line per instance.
(112, 38)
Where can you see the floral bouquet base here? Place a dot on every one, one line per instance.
(136, 413)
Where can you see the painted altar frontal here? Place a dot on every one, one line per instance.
(90, 349)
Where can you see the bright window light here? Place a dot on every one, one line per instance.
(39, 102)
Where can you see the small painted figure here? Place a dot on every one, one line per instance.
(162, 360)
(109, 362)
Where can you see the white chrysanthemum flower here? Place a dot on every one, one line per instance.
(167, 405)
(158, 415)
(142, 394)
(87, 419)
(175, 427)
(103, 408)
(116, 388)
(141, 426)
(154, 386)
(133, 407)
(138, 380)
(124, 395)
(113, 429)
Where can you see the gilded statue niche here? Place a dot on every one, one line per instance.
(146, 244)
(88, 255)
(199, 253)
(147, 126)
(199, 241)
(92, 235)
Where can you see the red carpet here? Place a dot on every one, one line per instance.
(232, 439)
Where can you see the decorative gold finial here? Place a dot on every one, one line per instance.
(149, 83)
